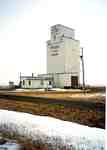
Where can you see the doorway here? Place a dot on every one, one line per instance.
(74, 81)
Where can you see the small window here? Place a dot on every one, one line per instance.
(23, 82)
(50, 83)
(29, 82)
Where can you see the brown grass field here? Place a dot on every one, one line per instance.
(66, 95)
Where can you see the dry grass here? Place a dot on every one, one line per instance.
(75, 95)
(29, 144)
(24, 142)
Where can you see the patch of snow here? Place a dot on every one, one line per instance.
(54, 131)
(27, 90)
(10, 146)
(58, 89)
(71, 90)
(88, 95)
(52, 89)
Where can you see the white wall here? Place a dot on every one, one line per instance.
(35, 84)
(55, 57)
(72, 56)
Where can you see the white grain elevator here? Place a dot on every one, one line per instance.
(63, 57)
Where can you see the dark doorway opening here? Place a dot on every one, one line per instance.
(74, 81)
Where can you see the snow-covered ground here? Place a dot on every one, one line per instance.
(53, 131)
(27, 90)
(10, 145)
(88, 95)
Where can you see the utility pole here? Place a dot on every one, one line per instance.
(20, 80)
(83, 70)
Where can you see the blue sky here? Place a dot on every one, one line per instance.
(25, 28)
(15, 7)
(8, 8)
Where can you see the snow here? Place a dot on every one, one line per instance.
(71, 90)
(52, 89)
(53, 131)
(88, 95)
(27, 90)
(10, 146)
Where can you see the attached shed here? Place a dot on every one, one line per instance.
(29, 82)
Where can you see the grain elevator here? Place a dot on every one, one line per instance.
(63, 58)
